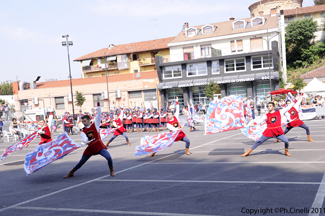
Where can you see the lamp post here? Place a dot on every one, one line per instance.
(67, 44)
(106, 62)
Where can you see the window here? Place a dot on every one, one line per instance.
(172, 72)
(173, 93)
(196, 69)
(135, 94)
(215, 67)
(322, 15)
(206, 50)
(307, 16)
(23, 105)
(199, 96)
(257, 21)
(134, 57)
(290, 18)
(236, 45)
(207, 30)
(273, 11)
(59, 102)
(256, 44)
(239, 24)
(235, 65)
(150, 95)
(136, 71)
(237, 89)
(260, 62)
(191, 32)
(98, 98)
(188, 53)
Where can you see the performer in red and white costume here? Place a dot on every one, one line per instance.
(44, 133)
(139, 122)
(163, 115)
(294, 120)
(173, 125)
(274, 129)
(90, 136)
(120, 130)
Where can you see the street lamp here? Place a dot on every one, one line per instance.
(67, 44)
(106, 62)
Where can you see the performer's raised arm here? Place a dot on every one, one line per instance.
(98, 116)
(284, 110)
(177, 109)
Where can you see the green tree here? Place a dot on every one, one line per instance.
(299, 35)
(6, 88)
(80, 99)
(211, 89)
(319, 2)
(296, 80)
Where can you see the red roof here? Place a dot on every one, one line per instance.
(318, 73)
(304, 10)
(94, 80)
(143, 46)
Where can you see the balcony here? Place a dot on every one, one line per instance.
(147, 61)
(111, 66)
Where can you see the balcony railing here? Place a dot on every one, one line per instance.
(147, 61)
(111, 66)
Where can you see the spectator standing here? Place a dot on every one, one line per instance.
(6, 109)
(259, 105)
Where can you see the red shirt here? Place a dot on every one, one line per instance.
(176, 124)
(120, 130)
(294, 116)
(45, 138)
(96, 145)
(273, 121)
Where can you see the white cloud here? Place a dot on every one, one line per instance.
(155, 7)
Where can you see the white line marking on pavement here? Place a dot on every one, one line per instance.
(211, 182)
(319, 198)
(108, 211)
(96, 179)
(241, 162)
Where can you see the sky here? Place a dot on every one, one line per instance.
(31, 30)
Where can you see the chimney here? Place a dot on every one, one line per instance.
(261, 13)
(232, 18)
(111, 46)
(186, 25)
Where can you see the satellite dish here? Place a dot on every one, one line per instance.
(138, 75)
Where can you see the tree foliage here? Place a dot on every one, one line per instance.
(300, 49)
(319, 2)
(211, 89)
(6, 88)
(296, 80)
(80, 99)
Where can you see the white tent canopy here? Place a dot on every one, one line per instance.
(315, 86)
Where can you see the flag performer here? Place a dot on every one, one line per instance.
(274, 129)
(90, 136)
(44, 133)
(120, 130)
(173, 125)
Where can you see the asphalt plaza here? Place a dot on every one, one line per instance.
(213, 180)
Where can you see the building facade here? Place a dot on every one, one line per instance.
(124, 90)
(240, 55)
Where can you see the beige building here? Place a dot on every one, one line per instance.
(273, 7)
(124, 90)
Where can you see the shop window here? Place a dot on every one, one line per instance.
(199, 96)
(196, 69)
(205, 50)
(262, 88)
(236, 45)
(260, 62)
(237, 89)
(235, 65)
(188, 53)
(173, 93)
(172, 72)
(256, 44)
(215, 67)
(59, 102)
(98, 98)
(135, 94)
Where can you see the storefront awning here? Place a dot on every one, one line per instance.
(215, 79)
(266, 76)
(200, 82)
(85, 63)
(111, 58)
(185, 83)
(167, 85)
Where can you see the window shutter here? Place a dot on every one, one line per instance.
(188, 49)
(233, 46)
(256, 44)
(239, 45)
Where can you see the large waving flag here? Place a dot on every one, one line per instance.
(256, 131)
(47, 153)
(159, 142)
(224, 115)
(24, 143)
(105, 132)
